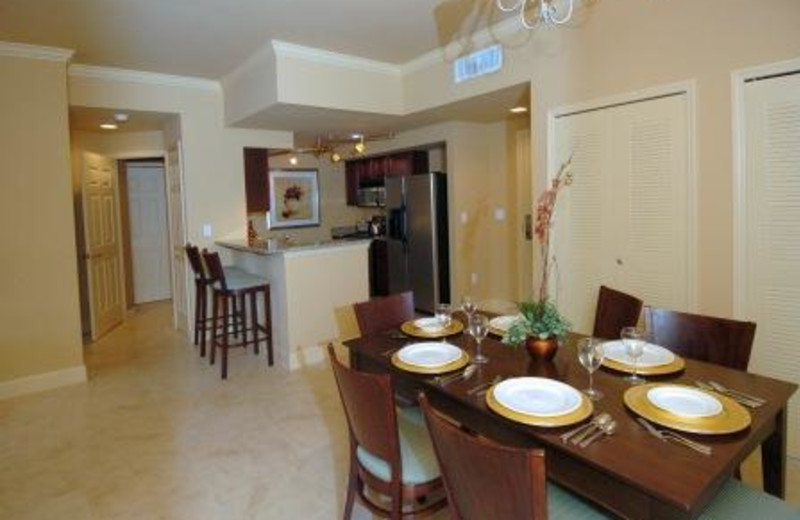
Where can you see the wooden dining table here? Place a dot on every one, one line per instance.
(631, 473)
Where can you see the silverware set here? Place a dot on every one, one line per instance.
(668, 435)
(742, 398)
(585, 434)
(481, 389)
(463, 376)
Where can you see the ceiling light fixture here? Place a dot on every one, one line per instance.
(360, 147)
(293, 160)
(108, 126)
(336, 149)
(121, 117)
(518, 110)
(545, 12)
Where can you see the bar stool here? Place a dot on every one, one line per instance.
(201, 286)
(228, 289)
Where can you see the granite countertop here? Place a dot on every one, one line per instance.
(276, 246)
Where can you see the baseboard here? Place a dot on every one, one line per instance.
(41, 382)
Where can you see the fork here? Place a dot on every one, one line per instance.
(666, 435)
(739, 399)
(736, 394)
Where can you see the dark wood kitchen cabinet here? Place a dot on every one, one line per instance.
(372, 171)
(256, 179)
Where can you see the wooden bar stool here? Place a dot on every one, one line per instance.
(202, 284)
(230, 293)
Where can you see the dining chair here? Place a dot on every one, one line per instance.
(385, 312)
(715, 340)
(496, 482)
(390, 450)
(615, 310)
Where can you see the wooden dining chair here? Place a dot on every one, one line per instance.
(715, 340)
(488, 481)
(390, 450)
(615, 310)
(384, 313)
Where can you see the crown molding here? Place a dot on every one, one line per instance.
(487, 36)
(35, 52)
(138, 76)
(290, 50)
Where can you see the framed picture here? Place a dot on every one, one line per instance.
(293, 198)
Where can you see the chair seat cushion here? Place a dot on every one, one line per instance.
(416, 451)
(737, 501)
(236, 280)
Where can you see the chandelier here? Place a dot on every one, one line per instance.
(535, 13)
(334, 148)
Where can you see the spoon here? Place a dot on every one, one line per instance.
(466, 374)
(608, 429)
(597, 423)
(567, 436)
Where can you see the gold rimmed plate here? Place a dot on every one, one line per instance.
(410, 328)
(731, 419)
(583, 410)
(675, 366)
(425, 368)
(499, 325)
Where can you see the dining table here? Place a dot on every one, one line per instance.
(631, 474)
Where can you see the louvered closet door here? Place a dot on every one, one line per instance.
(583, 222)
(624, 221)
(771, 288)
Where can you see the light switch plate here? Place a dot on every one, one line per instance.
(207, 230)
(499, 214)
(464, 218)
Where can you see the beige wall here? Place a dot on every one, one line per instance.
(39, 306)
(334, 210)
(125, 145)
(626, 45)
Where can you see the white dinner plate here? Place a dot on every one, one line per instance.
(429, 354)
(684, 401)
(653, 355)
(503, 323)
(429, 324)
(537, 396)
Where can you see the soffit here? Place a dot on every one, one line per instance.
(88, 119)
(208, 38)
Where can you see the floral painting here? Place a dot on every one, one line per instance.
(294, 198)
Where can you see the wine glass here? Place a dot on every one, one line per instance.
(478, 328)
(469, 306)
(633, 339)
(591, 354)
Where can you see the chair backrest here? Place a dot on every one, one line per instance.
(383, 313)
(195, 261)
(615, 310)
(214, 269)
(368, 401)
(705, 338)
(485, 480)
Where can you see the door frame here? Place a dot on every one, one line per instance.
(687, 88)
(739, 79)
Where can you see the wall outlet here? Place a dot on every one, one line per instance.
(499, 214)
(207, 230)
(474, 278)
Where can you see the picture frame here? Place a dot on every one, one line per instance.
(293, 198)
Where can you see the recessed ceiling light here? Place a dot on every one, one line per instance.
(356, 135)
(518, 110)
(120, 117)
(293, 160)
(108, 126)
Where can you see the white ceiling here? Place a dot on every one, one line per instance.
(208, 38)
(88, 119)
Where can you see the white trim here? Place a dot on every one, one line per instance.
(147, 78)
(290, 50)
(687, 88)
(41, 382)
(35, 52)
(738, 80)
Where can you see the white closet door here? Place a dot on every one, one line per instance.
(771, 288)
(624, 220)
(651, 199)
(583, 218)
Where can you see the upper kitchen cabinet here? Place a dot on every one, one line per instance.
(407, 163)
(370, 172)
(256, 179)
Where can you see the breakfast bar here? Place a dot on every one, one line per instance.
(308, 281)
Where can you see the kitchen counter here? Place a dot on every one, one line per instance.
(308, 282)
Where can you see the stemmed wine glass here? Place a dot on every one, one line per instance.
(478, 328)
(633, 339)
(469, 306)
(591, 354)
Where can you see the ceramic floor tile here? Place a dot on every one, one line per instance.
(156, 434)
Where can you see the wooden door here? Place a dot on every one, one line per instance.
(769, 278)
(102, 252)
(147, 210)
(177, 239)
(624, 221)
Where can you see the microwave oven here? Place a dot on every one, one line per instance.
(374, 196)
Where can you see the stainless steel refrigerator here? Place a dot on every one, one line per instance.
(417, 238)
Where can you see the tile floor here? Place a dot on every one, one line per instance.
(156, 434)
